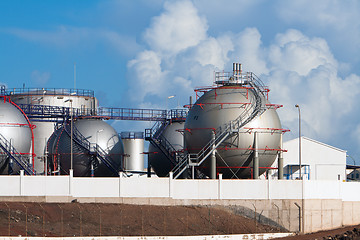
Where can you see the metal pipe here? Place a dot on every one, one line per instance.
(256, 157)
(213, 159)
(300, 166)
(281, 160)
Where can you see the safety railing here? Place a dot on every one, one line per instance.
(21, 161)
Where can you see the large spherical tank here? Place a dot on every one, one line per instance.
(234, 157)
(94, 131)
(16, 130)
(158, 161)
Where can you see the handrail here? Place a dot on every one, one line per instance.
(50, 91)
(16, 156)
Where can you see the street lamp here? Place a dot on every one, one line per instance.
(302, 183)
(297, 106)
(72, 129)
(352, 159)
(167, 99)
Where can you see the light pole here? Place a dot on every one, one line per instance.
(302, 183)
(352, 159)
(71, 137)
(167, 99)
(297, 106)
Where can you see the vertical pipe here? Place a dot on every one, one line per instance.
(190, 102)
(213, 159)
(234, 68)
(71, 142)
(256, 157)
(92, 169)
(149, 169)
(281, 160)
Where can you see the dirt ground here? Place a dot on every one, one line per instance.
(75, 219)
(345, 233)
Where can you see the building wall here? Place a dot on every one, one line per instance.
(323, 161)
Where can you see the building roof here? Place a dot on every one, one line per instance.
(323, 144)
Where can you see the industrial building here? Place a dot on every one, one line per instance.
(319, 161)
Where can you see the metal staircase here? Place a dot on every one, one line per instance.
(157, 139)
(93, 149)
(223, 132)
(20, 160)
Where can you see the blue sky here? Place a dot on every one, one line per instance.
(137, 53)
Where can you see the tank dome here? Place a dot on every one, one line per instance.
(158, 161)
(88, 133)
(216, 108)
(15, 130)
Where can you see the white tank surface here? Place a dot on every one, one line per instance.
(14, 130)
(133, 150)
(94, 133)
(75, 98)
(234, 157)
(158, 161)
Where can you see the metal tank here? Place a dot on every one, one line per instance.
(91, 139)
(213, 112)
(80, 99)
(157, 159)
(133, 151)
(15, 131)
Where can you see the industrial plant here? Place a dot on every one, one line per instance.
(225, 147)
(231, 129)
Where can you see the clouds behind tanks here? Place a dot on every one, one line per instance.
(181, 54)
(306, 51)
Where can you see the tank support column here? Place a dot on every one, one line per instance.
(213, 159)
(256, 157)
(281, 160)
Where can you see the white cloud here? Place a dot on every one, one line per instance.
(40, 78)
(293, 51)
(335, 20)
(145, 75)
(177, 28)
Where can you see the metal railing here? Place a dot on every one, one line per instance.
(20, 160)
(50, 91)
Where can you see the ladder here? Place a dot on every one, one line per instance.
(21, 161)
(157, 139)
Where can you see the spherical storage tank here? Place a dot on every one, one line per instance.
(15, 130)
(88, 133)
(158, 161)
(234, 156)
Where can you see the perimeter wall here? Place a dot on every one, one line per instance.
(325, 204)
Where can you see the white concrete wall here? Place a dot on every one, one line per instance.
(138, 187)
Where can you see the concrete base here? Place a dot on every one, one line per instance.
(323, 214)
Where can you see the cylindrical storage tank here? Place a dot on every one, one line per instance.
(92, 132)
(79, 99)
(15, 130)
(234, 156)
(158, 160)
(133, 150)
